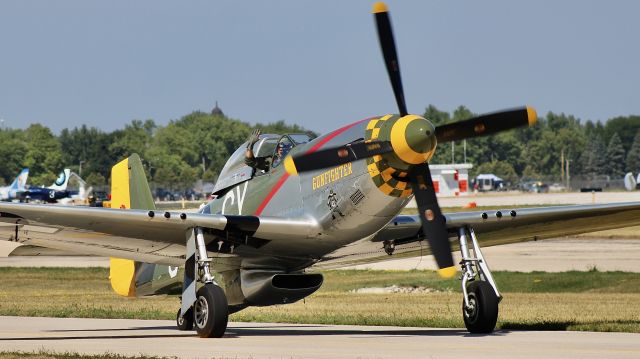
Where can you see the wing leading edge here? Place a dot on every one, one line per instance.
(149, 236)
(492, 228)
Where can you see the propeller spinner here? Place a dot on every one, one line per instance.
(408, 142)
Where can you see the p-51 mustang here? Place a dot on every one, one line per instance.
(334, 201)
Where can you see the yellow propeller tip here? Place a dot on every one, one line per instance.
(532, 116)
(448, 272)
(290, 166)
(380, 7)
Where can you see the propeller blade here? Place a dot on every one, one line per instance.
(335, 156)
(486, 124)
(388, 46)
(433, 222)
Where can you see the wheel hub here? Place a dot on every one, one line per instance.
(201, 312)
(471, 310)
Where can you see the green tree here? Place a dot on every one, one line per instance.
(13, 151)
(136, 137)
(625, 126)
(89, 147)
(203, 142)
(443, 150)
(169, 170)
(202, 138)
(633, 156)
(43, 156)
(615, 157)
(436, 116)
(529, 173)
(594, 160)
(593, 129)
(545, 143)
(281, 127)
(95, 179)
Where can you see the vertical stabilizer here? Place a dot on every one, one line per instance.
(129, 186)
(129, 190)
(60, 184)
(19, 183)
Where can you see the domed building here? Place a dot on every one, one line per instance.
(217, 111)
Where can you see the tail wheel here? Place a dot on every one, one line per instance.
(185, 322)
(482, 314)
(211, 312)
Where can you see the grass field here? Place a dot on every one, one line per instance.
(597, 301)
(53, 355)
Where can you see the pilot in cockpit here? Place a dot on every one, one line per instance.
(281, 151)
(263, 163)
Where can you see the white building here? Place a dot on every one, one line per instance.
(451, 179)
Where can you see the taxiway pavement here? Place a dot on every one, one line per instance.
(270, 340)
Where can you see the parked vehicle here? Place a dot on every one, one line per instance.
(534, 186)
(489, 182)
(98, 199)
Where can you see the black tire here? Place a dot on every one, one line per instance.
(186, 322)
(484, 314)
(211, 312)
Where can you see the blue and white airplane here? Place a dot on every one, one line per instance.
(51, 194)
(13, 191)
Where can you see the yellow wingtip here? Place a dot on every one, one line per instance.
(380, 7)
(532, 116)
(448, 272)
(290, 166)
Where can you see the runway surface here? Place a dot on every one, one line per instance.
(266, 340)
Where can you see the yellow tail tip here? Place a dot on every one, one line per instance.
(290, 166)
(379, 7)
(122, 274)
(448, 272)
(532, 116)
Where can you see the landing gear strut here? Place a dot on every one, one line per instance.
(481, 296)
(207, 307)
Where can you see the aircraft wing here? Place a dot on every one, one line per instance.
(492, 228)
(147, 236)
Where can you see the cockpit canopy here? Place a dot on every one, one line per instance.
(236, 171)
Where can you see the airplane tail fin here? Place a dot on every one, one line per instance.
(129, 186)
(19, 183)
(130, 190)
(60, 184)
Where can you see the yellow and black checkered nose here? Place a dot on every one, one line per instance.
(413, 142)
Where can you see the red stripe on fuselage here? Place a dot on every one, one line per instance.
(313, 148)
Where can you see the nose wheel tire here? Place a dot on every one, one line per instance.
(482, 314)
(186, 322)
(211, 312)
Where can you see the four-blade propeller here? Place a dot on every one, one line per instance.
(412, 140)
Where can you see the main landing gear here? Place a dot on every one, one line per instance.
(210, 312)
(207, 307)
(481, 296)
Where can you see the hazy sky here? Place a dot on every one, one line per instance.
(317, 63)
